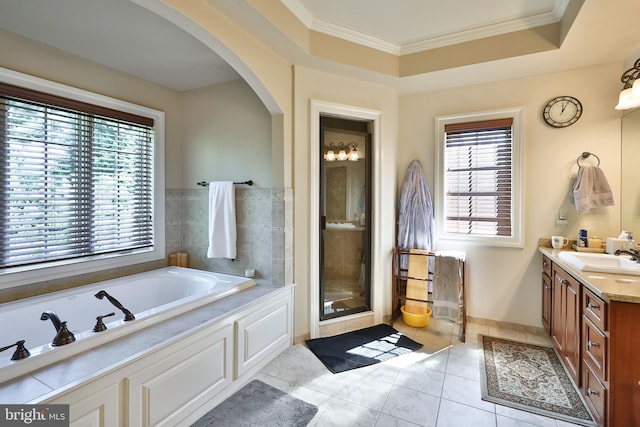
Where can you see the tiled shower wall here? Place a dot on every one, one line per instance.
(263, 232)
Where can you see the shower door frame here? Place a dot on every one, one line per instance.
(367, 246)
(378, 236)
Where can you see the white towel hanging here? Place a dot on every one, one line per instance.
(222, 220)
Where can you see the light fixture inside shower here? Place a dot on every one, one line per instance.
(346, 151)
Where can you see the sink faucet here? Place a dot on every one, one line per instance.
(635, 256)
(63, 335)
(127, 314)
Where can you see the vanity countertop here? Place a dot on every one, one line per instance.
(610, 287)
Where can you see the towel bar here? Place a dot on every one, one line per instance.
(585, 155)
(205, 183)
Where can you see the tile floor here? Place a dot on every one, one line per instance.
(438, 385)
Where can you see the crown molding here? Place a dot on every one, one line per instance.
(496, 29)
(443, 40)
(356, 37)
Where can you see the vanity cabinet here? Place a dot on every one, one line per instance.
(546, 294)
(599, 343)
(565, 319)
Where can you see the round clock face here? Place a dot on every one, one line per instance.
(562, 111)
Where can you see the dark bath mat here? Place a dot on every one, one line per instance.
(259, 404)
(360, 348)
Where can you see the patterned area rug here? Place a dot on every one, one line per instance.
(530, 378)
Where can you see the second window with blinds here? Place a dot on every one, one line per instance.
(478, 177)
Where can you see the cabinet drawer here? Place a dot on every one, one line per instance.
(595, 394)
(594, 346)
(546, 265)
(595, 309)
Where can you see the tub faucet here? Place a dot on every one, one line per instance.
(21, 351)
(63, 335)
(100, 326)
(50, 315)
(127, 314)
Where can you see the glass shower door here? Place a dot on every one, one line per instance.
(344, 203)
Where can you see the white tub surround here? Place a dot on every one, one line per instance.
(172, 372)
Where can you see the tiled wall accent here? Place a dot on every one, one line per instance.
(264, 230)
(282, 236)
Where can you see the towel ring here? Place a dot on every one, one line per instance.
(586, 154)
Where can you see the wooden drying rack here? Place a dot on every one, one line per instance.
(400, 275)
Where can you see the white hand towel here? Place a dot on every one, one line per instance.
(591, 189)
(222, 220)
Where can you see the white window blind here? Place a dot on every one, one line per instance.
(76, 179)
(479, 178)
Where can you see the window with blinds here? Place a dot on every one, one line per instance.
(479, 176)
(76, 179)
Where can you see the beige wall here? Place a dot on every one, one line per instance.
(314, 85)
(504, 283)
(269, 75)
(226, 135)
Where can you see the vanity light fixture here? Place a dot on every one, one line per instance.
(630, 94)
(353, 156)
(345, 152)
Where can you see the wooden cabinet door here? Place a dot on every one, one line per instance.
(546, 303)
(572, 337)
(565, 320)
(557, 312)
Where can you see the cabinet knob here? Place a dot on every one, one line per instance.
(592, 344)
(593, 306)
(592, 392)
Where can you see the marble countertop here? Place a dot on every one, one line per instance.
(609, 287)
(45, 383)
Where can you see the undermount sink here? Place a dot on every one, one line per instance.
(603, 263)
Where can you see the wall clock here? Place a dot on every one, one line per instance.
(562, 111)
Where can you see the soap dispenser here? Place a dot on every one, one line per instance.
(631, 242)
